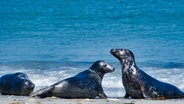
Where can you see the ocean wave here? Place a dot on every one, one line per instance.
(173, 76)
(54, 73)
(45, 65)
(161, 64)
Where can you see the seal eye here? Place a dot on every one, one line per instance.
(105, 65)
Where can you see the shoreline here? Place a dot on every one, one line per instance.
(6, 99)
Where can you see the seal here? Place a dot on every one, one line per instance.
(138, 84)
(86, 84)
(16, 84)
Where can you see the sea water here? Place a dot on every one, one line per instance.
(52, 40)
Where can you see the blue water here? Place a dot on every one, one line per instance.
(54, 39)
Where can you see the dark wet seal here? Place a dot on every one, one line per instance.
(16, 84)
(138, 84)
(86, 84)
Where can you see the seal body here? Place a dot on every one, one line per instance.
(16, 84)
(138, 84)
(86, 84)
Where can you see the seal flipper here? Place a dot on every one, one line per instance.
(145, 92)
(102, 95)
(42, 93)
(126, 95)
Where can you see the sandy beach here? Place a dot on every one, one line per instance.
(52, 40)
(35, 100)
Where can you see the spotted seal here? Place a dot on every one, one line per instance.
(86, 84)
(16, 84)
(138, 84)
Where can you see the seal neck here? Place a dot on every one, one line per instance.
(129, 67)
(99, 75)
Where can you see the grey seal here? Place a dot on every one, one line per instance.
(86, 84)
(16, 84)
(138, 84)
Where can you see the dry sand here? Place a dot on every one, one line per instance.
(35, 100)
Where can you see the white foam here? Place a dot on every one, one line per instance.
(173, 76)
(110, 80)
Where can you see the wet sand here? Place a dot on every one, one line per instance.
(52, 100)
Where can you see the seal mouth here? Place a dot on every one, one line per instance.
(29, 85)
(113, 69)
(110, 69)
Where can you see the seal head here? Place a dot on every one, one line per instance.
(123, 55)
(16, 84)
(101, 67)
